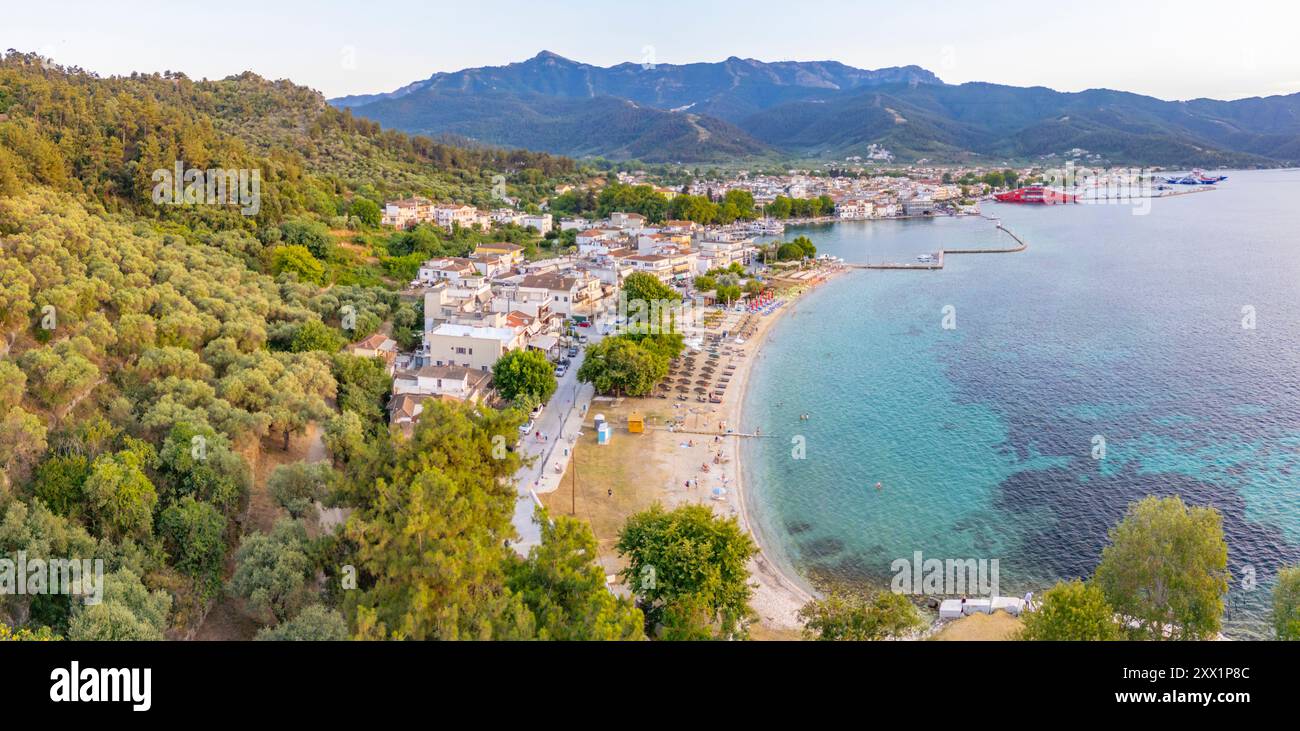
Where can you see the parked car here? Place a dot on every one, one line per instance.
(560, 370)
(525, 429)
(573, 351)
(537, 411)
(582, 338)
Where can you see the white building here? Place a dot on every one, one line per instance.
(477, 348)
(432, 380)
(542, 222)
(627, 220)
(448, 216)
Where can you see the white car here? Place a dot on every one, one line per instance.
(560, 370)
(525, 429)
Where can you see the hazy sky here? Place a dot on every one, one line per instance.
(1178, 49)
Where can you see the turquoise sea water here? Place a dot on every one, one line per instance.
(1111, 325)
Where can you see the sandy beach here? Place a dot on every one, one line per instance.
(684, 456)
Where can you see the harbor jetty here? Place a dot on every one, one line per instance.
(935, 261)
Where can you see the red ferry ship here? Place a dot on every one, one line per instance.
(1036, 194)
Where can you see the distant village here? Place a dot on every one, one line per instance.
(479, 307)
(854, 197)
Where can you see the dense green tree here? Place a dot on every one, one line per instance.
(642, 199)
(640, 286)
(193, 535)
(1286, 604)
(316, 335)
(289, 390)
(127, 612)
(366, 210)
(621, 366)
(564, 587)
(728, 293)
(27, 634)
(201, 463)
(779, 208)
(430, 536)
(315, 623)
(22, 440)
(312, 235)
(297, 260)
(1072, 611)
(297, 486)
(363, 385)
(344, 435)
(13, 385)
(1167, 569)
(60, 483)
(855, 617)
(59, 377)
(524, 374)
(120, 497)
(273, 571)
(37, 531)
(690, 555)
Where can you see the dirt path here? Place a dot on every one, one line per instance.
(227, 619)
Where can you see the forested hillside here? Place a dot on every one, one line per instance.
(162, 365)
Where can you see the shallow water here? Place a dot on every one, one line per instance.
(1112, 326)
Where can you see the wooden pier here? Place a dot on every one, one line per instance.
(937, 263)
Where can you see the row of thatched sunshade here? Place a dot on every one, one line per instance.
(685, 372)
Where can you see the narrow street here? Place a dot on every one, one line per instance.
(560, 423)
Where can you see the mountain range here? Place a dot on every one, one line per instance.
(741, 109)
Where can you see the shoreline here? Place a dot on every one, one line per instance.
(682, 458)
(779, 591)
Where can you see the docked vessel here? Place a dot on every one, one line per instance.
(1196, 177)
(1036, 194)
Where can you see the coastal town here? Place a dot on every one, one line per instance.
(486, 348)
(498, 298)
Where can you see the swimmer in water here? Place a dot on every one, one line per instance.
(879, 486)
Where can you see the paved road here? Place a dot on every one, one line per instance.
(560, 422)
